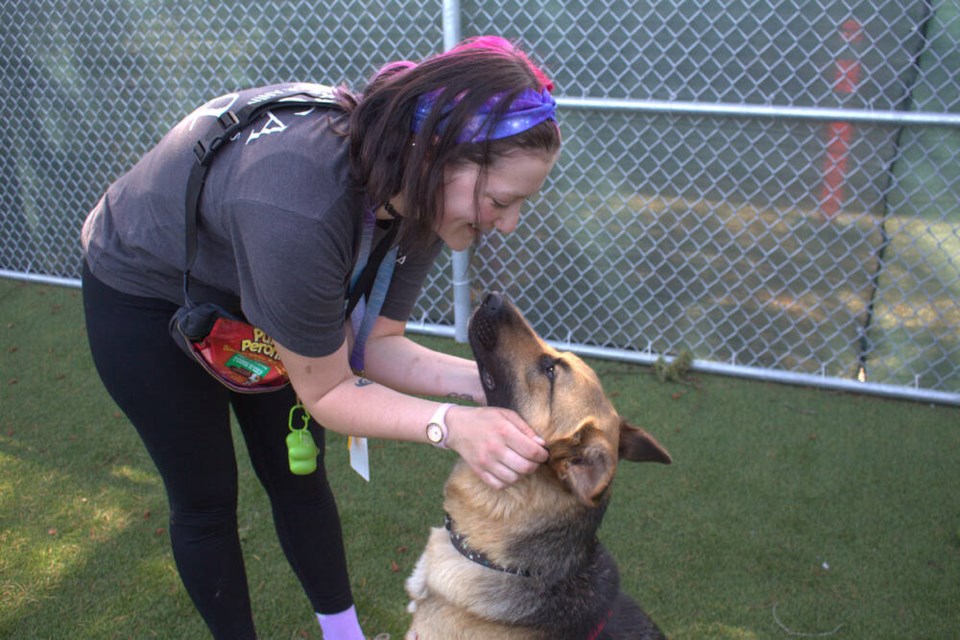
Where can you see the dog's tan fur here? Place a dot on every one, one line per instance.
(453, 598)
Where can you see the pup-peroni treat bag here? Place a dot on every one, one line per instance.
(242, 353)
(240, 356)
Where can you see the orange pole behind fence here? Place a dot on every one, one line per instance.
(847, 72)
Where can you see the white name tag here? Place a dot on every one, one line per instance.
(359, 456)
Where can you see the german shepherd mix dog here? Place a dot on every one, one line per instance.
(525, 562)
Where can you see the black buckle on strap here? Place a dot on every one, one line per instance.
(229, 124)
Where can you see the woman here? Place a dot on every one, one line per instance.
(447, 149)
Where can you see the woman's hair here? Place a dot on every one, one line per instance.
(389, 156)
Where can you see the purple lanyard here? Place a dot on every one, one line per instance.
(365, 313)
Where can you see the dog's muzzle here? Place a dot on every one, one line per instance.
(483, 335)
(483, 325)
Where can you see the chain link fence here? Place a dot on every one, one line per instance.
(771, 186)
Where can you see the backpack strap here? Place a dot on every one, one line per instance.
(224, 127)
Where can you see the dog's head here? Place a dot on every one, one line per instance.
(560, 397)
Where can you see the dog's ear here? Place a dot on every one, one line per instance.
(584, 463)
(637, 445)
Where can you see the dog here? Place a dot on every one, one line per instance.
(524, 563)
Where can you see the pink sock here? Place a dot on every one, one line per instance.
(341, 626)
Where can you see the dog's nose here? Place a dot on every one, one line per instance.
(493, 302)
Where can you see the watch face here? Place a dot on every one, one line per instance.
(434, 432)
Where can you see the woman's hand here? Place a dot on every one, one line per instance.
(496, 443)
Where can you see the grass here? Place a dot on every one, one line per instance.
(787, 510)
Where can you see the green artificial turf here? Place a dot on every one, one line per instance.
(787, 510)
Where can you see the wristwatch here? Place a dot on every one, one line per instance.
(437, 427)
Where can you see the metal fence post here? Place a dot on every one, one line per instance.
(460, 263)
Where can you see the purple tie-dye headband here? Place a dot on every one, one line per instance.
(528, 109)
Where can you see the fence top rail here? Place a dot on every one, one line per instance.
(770, 112)
(832, 383)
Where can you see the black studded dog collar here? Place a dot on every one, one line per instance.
(459, 542)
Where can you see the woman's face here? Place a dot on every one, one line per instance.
(508, 183)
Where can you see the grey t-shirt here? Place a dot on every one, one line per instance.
(278, 231)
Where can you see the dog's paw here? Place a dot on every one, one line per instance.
(416, 583)
(412, 606)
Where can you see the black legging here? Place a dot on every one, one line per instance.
(182, 415)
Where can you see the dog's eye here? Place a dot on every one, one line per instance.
(548, 367)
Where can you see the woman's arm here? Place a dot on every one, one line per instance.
(496, 443)
(400, 363)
